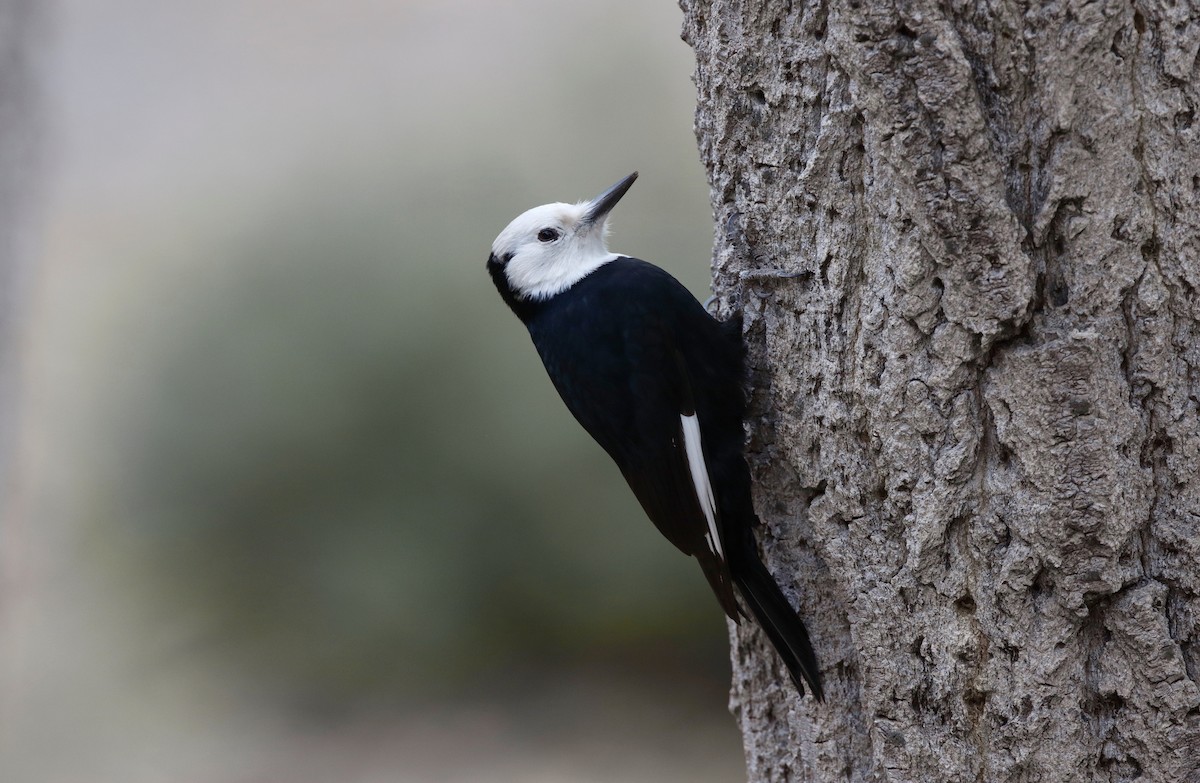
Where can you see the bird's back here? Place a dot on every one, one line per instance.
(610, 346)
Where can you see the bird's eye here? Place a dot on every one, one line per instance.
(547, 235)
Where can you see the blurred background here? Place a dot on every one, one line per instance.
(295, 499)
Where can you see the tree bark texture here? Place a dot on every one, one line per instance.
(964, 238)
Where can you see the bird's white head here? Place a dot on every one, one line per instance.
(550, 248)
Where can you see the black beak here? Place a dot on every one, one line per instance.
(601, 205)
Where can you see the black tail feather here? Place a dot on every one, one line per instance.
(780, 623)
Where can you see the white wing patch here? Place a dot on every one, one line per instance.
(700, 480)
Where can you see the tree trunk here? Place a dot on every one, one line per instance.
(965, 241)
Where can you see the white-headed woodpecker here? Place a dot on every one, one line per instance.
(658, 383)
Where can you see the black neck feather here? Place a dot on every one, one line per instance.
(524, 308)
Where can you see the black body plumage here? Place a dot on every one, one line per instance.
(631, 352)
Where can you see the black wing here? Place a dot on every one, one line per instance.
(633, 356)
(671, 480)
(620, 350)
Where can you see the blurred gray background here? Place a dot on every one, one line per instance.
(297, 501)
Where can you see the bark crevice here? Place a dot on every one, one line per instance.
(965, 247)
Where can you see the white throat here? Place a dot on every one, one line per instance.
(539, 279)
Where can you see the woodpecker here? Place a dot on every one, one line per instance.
(658, 383)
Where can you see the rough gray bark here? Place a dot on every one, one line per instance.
(976, 430)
